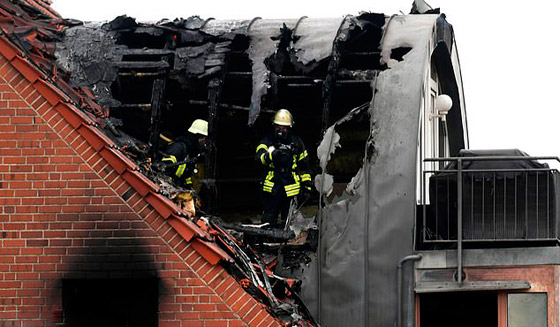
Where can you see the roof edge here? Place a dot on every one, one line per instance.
(107, 149)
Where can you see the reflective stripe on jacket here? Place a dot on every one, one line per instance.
(289, 178)
(180, 171)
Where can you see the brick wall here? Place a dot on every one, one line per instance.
(67, 213)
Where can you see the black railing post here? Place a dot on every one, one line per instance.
(459, 221)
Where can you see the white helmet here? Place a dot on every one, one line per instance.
(199, 126)
(283, 118)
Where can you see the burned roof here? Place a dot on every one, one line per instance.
(133, 81)
(231, 73)
(40, 66)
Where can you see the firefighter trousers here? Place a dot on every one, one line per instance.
(273, 204)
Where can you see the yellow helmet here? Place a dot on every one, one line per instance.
(284, 118)
(199, 126)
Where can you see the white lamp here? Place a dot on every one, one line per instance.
(443, 105)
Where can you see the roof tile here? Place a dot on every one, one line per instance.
(7, 49)
(180, 225)
(139, 182)
(210, 251)
(26, 69)
(47, 91)
(94, 137)
(73, 115)
(161, 204)
(116, 159)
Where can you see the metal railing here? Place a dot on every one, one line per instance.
(464, 204)
(489, 205)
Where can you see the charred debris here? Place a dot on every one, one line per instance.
(155, 78)
(138, 80)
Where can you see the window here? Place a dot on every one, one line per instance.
(110, 302)
(527, 310)
(459, 309)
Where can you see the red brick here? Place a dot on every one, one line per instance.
(216, 323)
(21, 120)
(61, 197)
(31, 251)
(258, 318)
(247, 308)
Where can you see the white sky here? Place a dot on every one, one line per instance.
(507, 51)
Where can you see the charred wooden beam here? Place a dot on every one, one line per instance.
(199, 102)
(235, 107)
(361, 53)
(277, 235)
(330, 84)
(354, 81)
(158, 94)
(240, 74)
(226, 106)
(215, 87)
(298, 77)
(368, 74)
(150, 52)
(142, 65)
(302, 85)
(158, 99)
(139, 74)
(273, 92)
(141, 106)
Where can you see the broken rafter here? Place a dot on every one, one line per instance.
(232, 106)
(303, 84)
(215, 87)
(225, 105)
(142, 106)
(158, 95)
(142, 65)
(354, 81)
(140, 74)
(158, 98)
(273, 77)
(150, 52)
(357, 74)
(363, 53)
(240, 74)
(329, 85)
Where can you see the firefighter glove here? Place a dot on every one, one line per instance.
(306, 187)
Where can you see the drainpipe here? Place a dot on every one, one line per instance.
(409, 320)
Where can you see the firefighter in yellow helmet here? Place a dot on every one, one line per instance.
(286, 168)
(181, 156)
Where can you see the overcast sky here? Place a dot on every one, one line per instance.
(508, 54)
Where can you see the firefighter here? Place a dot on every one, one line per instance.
(286, 164)
(181, 155)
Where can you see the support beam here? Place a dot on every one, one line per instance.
(215, 87)
(329, 85)
(158, 96)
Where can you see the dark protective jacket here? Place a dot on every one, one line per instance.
(184, 150)
(287, 167)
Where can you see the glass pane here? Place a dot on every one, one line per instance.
(527, 310)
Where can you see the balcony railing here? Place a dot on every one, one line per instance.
(489, 199)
